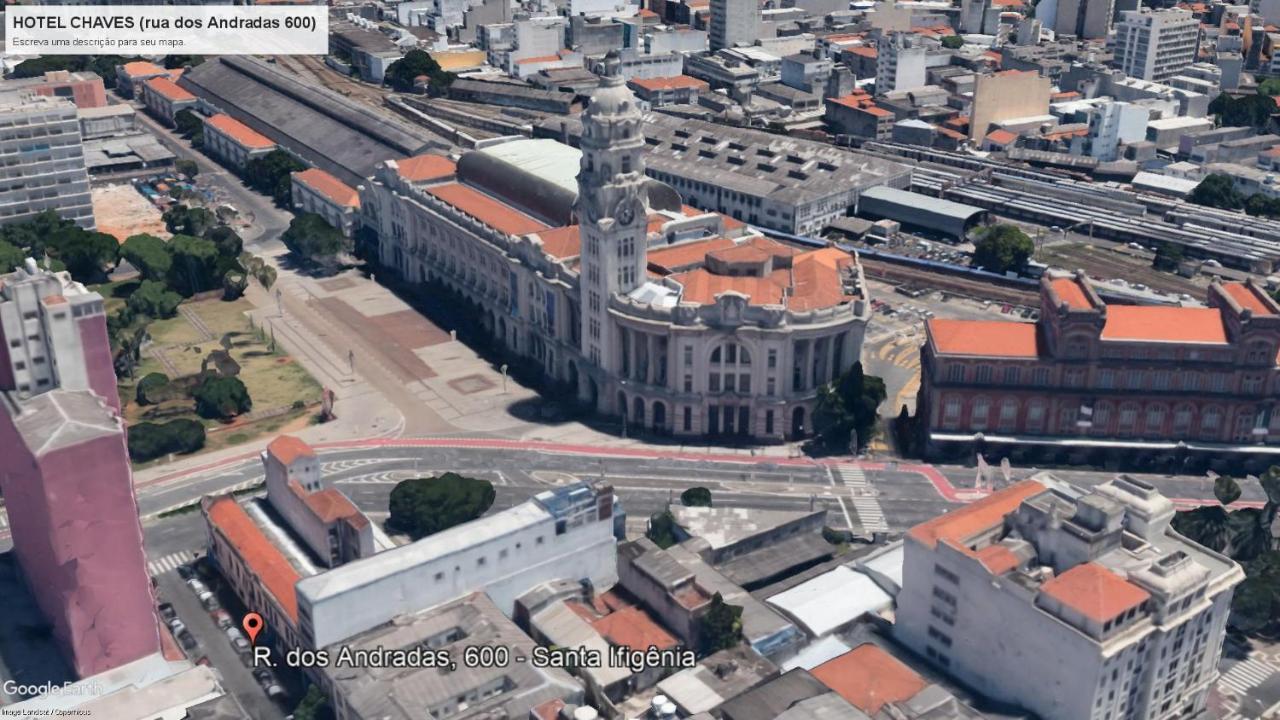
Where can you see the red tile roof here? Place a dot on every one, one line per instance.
(142, 68)
(488, 210)
(1095, 592)
(562, 242)
(288, 448)
(867, 52)
(984, 338)
(169, 90)
(702, 287)
(869, 678)
(958, 526)
(330, 505)
(1001, 137)
(54, 299)
(997, 559)
(261, 557)
(633, 628)
(538, 59)
(815, 278)
(240, 132)
(1070, 292)
(1248, 298)
(421, 168)
(329, 186)
(1143, 323)
(549, 710)
(686, 254)
(673, 82)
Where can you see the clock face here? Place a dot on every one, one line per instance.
(626, 212)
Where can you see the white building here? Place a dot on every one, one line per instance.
(233, 142)
(1156, 45)
(1074, 604)
(1114, 123)
(326, 521)
(566, 533)
(734, 22)
(676, 320)
(44, 166)
(316, 191)
(900, 62)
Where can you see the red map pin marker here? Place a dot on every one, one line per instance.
(252, 626)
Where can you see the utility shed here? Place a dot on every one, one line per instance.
(921, 211)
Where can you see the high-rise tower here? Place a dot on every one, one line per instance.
(611, 208)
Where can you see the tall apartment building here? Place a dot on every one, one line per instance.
(65, 474)
(1076, 604)
(1098, 378)
(1087, 19)
(900, 62)
(1156, 45)
(734, 22)
(44, 165)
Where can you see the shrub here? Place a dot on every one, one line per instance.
(148, 441)
(151, 388)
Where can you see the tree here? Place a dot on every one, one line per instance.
(1226, 490)
(953, 42)
(195, 262)
(188, 123)
(86, 254)
(1002, 248)
(662, 529)
(173, 62)
(1269, 87)
(187, 167)
(424, 506)
(1168, 256)
(154, 299)
(848, 406)
(234, 283)
(313, 706)
(221, 398)
(1260, 205)
(313, 238)
(269, 175)
(149, 254)
(31, 235)
(151, 387)
(1217, 191)
(1209, 526)
(184, 220)
(403, 73)
(721, 626)
(148, 441)
(1253, 111)
(696, 497)
(227, 241)
(10, 257)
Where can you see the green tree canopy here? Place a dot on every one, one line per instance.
(151, 387)
(149, 254)
(184, 220)
(416, 63)
(662, 529)
(10, 257)
(313, 706)
(846, 406)
(30, 235)
(721, 626)
(269, 175)
(227, 241)
(195, 264)
(187, 167)
(85, 254)
(1253, 111)
(1260, 205)
(221, 398)
(188, 123)
(424, 506)
(1217, 191)
(953, 42)
(313, 238)
(148, 441)
(1226, 490)
(696, 497)
(1168, 255)
(1002, 248)
(154, 299)
(1269, 87)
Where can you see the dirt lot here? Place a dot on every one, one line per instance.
(120, 210)
(1104, 261)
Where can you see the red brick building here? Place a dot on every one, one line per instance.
(1091, 382)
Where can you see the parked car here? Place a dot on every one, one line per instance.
(223, 619)
(238, 640)
(187, 640)
(268, 683)
(167, 612)
(176, 626)
(209, 601)
(196, 586)
(185, 572)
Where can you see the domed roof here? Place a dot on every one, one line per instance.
(612, 97)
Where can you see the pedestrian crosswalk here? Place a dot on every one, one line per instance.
(167, 563)
(863, 495)
(4, 519)
(1246, 675)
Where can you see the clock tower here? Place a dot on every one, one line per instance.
(611, 210)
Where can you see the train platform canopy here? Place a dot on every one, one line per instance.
(920, 211)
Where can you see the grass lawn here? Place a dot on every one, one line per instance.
(272, 378)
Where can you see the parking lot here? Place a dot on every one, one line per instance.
(205, 618)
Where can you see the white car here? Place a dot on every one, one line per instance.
(238, 640)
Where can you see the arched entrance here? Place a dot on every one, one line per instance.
(593, 393)
(637, 414)
(659, 416)
(622, 404)
(797, 422)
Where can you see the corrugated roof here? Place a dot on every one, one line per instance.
(329, 186)
(1094, 591)
(262, 558)
(240, 132)
(984, 338)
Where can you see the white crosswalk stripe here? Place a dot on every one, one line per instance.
(863, 495)
(167, 563)
(4, 518)
(1246, 675)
